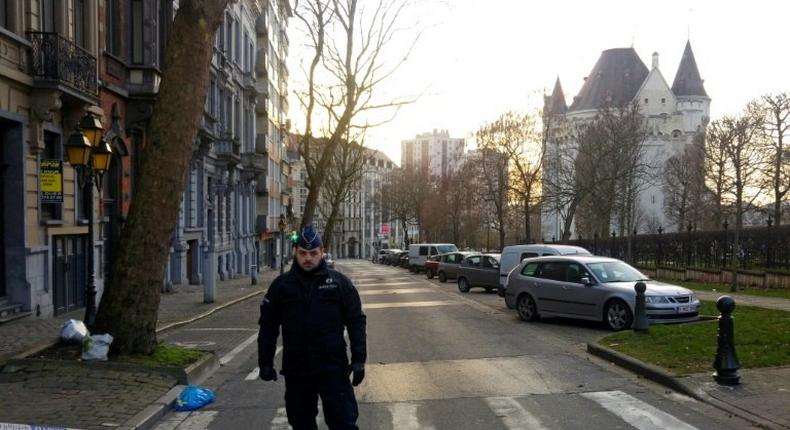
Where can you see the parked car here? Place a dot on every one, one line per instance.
(480, 270)
(384, 254)
(593, 288)
(330, 262)
(418, 252)
(394, 258)
(513, 255)
(448, 265)
(431, 265)
(403, 259)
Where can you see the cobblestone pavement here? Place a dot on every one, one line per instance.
(86, 396)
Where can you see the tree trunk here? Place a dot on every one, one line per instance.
(130, 303)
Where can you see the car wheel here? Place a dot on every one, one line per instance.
(618, 316)
(526, 307)
(442, 277)
(429, 273)
(463, 285)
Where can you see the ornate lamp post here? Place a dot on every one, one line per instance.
(281, 225)
(90, 157)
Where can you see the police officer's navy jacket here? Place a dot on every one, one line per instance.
(313, 308)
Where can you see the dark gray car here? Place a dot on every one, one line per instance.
(448, 265)
(480, 270)
(593, 288)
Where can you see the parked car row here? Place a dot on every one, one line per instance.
(541, 280)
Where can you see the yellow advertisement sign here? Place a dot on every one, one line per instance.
(50, 181)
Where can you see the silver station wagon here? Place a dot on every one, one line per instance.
(593, 288)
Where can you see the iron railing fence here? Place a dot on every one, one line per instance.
(759, 248)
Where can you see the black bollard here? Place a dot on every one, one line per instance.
(726, 362)
(640, 314)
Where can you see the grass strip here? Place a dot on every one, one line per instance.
(725, 289)
(762, 339)
(164, 355)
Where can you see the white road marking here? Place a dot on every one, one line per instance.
(196, 420)
(280, 420)
(397, 291)
(636, 412)
(513, 415)
(384, 284)
(410, 304)
(257, 371)
(232, 354)
(404, 417)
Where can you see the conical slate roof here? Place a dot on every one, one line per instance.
(557, 103)
(687, 80)
(613, 81)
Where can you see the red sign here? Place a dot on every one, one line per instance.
(384, 229)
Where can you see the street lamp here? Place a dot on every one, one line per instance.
(281, 225)
(90, 156)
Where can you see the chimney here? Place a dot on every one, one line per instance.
(655, 60)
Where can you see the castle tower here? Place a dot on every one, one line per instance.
(693, 100)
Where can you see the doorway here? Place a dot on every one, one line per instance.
(69, 273)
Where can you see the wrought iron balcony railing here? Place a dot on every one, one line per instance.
(56, 58)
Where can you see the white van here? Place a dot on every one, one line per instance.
(513, 254)
(419, 252)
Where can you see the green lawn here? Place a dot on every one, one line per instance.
(762, 339)
(765, 292)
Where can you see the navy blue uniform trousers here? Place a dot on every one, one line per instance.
(337, 400)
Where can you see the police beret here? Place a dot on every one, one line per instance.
(309, 238)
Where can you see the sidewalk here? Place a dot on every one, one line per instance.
(97, 397)
(763, 395)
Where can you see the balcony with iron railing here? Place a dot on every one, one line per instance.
(59, 63)
(228, 150)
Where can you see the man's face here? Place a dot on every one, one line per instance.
(309, 259)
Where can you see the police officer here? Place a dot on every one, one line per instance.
(314, 304)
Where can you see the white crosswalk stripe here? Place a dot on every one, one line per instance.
(636, 412)
(196, 420)
(257, 371)
(404, 417)
(513, 415)
(280, 420)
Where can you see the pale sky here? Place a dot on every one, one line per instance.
(477, 59)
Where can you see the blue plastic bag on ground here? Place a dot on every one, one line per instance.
(193, 397)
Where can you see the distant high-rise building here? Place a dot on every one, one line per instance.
(435, 152)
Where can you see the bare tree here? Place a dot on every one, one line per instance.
(130, 303)
(774, 111)
(683, 186)
(493, 167)
(517, 137)
(714, 141)
(347, 40)
(398, 198)
(344, 172)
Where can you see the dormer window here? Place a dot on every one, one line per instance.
(646, 100)
(663, 101)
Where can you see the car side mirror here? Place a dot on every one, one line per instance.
(586, 281)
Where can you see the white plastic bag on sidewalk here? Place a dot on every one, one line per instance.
(73, 331)
(96, 347)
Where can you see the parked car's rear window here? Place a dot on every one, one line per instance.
(423, 250)
(615, 271)
(528, 255)
(529, 269)
(447, 248)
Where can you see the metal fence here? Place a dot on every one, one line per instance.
(759, 248)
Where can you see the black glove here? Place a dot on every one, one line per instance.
(268, 374)
(358, 369)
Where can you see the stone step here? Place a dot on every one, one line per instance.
(11, 311)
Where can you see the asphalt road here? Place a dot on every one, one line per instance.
(441, 359)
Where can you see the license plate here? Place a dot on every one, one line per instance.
(685, 309)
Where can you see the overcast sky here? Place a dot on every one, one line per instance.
(479, 58)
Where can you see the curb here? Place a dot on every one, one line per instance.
(208, 312)
(663, 377)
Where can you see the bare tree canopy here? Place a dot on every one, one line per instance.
(774, 113)
(344, 174)
(348, 39)
(130, 303)
(684, 187)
